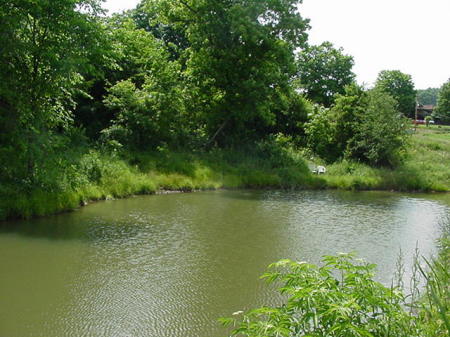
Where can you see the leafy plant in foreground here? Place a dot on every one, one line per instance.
(339, 298)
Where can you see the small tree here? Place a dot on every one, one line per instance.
(428, 96)
(381, 134)
(321, 134)
(365, 126)
(44, 48)
(324, 71)
(442, 111)
(401, 87)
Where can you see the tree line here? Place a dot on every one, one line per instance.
(185, 74)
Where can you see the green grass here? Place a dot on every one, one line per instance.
(95, 176)
(425, 168)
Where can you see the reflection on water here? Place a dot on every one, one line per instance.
(171, 265)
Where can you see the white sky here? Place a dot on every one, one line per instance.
(412, 36)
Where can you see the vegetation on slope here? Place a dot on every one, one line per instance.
(94, 175)
(424, 168)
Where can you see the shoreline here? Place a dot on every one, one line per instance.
(85, 203)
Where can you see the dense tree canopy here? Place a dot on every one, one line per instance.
(323, 72)
(148, 104)
(381, 134)
(239, 61)
(401, 87)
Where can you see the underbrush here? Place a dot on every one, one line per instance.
(94, 175)
(435, 304)
(82, 175)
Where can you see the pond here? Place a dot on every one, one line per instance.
(170, 265)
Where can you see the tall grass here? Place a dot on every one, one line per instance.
(94, 176)
(435, 305)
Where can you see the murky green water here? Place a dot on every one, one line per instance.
(170, 265)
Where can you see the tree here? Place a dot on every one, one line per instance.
(240, 59)
(442, 111)
(428, 96)
(148, 105)
(363, 126)
(292, 113)
(330, 130)
(324, 71)
(401, 87)
(381, 134)
(44, 47)
(320, 134)
(174, 36)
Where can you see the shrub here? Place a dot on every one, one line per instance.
(381, 134)
(320, 134)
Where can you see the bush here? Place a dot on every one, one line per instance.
(381, 134)
(330, 130)
(363, 126)
(320, 134)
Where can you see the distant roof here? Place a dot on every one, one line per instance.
(427, 107)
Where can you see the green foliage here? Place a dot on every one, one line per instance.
(320, 134)
(323, 72)
(363, 126)
(145, 15)
(424, 167)
(85, 175)
(380, 136)
(177, 75)
(339, 298)
(348, 113)
(292, 110)
(239, 61)
(329, 131)
(427, 96)
(148, 106)
(41, 58)
(442, 111)
(436, 307)
(401, 87)
(75, 176)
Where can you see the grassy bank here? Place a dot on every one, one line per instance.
(94, 175)
(425, 168)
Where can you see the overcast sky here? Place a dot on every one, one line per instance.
(407, 35)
